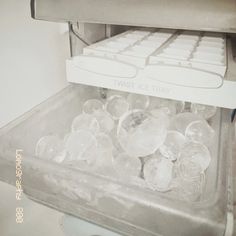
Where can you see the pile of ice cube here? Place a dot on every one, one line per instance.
(159, 144)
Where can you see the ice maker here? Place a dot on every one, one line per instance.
(202, 72)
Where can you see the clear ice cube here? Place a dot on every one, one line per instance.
(161, 113)
(85, 122)
(200, 131)
(173, 143)
(188, 169)
(127, 166)
(204, 111)
(137, 101)
(198, 153)
(80, 145)
(116, 106)
(104, 142)
(189, 189)
(103, 153)
(158, 173)
(167, 105)
(180, 121)
(48, 147)
(140, 134)
(105, 121)
(92, 105)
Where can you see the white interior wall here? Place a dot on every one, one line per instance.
(32, 59)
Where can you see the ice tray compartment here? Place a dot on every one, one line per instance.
(175, 64)
(138, 211)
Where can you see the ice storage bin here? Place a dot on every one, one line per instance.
(123, 207)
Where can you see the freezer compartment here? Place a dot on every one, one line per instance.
(127, 208)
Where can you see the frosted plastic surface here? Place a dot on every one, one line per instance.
(139, 211)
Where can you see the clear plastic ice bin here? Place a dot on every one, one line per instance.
(124, 208)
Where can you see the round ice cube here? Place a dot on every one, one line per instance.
(200, 131)
(104, 142)
(140, 134)
(105, 121)
(188, 169)
(167, 105)
(137, 101)
(117, 106)
(173, 143)
(158, 173)
(80, 145)
(85, 122)
(161, 113)
(104, 150)
(189, 189)
(126, 165)
(182, 120)
(204, 111)
(198, 153)
(92, 105)
(48, 147)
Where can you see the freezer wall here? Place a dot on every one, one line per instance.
(32, 59)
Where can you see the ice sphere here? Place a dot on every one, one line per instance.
(80, 145)
(101, 154)
(127, 166)
(188, 169)
(140, 134)
(137, 101)
(104, 142)
(182, 120)
(48, 147)
(158, 173)
(92, 105)
(173, 143)
(85, 122)
(161, 113)
(189, 189)
(117, 106)
(204, 111)
(198, 153)
(167, 105)
(105, 121)
(200, 131)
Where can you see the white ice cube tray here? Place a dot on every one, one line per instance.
(133, 46)
(206, 51)
(180, 65)
(140, 48)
